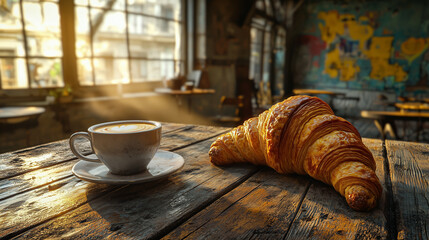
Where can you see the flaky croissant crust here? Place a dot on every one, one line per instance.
(302, 135)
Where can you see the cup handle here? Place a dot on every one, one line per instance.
(73, 138)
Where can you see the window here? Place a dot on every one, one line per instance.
(116, 41)
(268, 42)
(30, 45)
(128, 41)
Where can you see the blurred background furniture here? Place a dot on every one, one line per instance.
(179, 94)
(228, 105)
(12, 118)
(385, 121)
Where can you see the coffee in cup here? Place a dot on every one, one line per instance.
(124, 128)
(125, 147)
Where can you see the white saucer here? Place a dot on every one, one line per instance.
(163, 164)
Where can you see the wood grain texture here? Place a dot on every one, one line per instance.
(409, 173)
(263, 207)
(149, 210)
(34, 197)
(268, 206)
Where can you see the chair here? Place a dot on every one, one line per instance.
(228, 105)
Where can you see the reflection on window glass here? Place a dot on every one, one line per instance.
(38, 62)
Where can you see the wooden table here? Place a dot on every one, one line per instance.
(385, 121)
(315, 92)
(413, 106)
(12, 115)
(40, 197)
(12, 118)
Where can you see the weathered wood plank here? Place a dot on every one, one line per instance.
(268, 206)
(35, 179)
(30, 208)
(40, 184)
(409, 173)
(149, 210)
(263, 207)
(18, 162)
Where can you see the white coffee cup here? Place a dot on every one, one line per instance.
(125, 147)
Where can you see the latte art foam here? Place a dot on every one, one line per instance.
(125, 128)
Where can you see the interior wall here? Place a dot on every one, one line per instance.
(379, 46)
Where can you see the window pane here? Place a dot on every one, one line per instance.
(42, 25)
(84, 71)
(201, 30)
(13, 73)
(139, 70)
(109, 33)
(146, 70)
(45, 73)
(152, 26)
(279, 60)
(267, 53)
(162, 8)
(260, 4)
(81, 2)
(279, 11)
(83, 44)
(153, 38)
(258, 23)
(268, 8)
(11, 40)
(110, 71)
(109, 4)
(56, 1)
(255, 54)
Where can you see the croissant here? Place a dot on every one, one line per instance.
(302, 135)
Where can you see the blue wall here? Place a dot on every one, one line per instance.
(365, 45)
